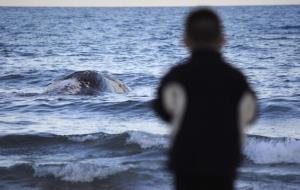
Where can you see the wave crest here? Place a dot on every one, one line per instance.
(79, 172)
(263, 150)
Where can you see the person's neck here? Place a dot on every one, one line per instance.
(208, 47)
(204, 52)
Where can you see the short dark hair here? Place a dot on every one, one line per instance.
(203, 26)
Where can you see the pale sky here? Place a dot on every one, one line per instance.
(128, 3)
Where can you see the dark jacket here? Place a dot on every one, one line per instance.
(208, 139)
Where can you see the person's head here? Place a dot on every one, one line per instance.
(203, 29)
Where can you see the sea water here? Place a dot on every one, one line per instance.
(114, 141)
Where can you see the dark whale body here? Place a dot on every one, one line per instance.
(90, 81)
(87, 83)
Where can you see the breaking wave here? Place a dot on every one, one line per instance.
(265, 150)
(142, 139)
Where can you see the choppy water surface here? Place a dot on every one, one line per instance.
(114, 141)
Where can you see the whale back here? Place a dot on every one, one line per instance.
(86, 78)
(87, 83)
(114, 85)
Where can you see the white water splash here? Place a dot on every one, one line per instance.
(82, 171)
(271, 151)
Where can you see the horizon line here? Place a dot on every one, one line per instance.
(145, 6)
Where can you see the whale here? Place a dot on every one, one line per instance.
(86, 82)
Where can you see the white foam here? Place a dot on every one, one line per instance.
(250, 185)
(81, 171)
(84, 138)
(270, 151)
(147, 140)
(8, 161)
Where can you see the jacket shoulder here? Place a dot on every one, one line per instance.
(236, 73)
(175, 72)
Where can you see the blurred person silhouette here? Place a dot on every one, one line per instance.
(207, 101)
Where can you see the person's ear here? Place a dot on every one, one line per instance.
(222, 41)
(187, 42)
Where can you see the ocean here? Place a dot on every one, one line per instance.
(114, 141)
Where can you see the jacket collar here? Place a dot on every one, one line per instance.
(199, 55)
